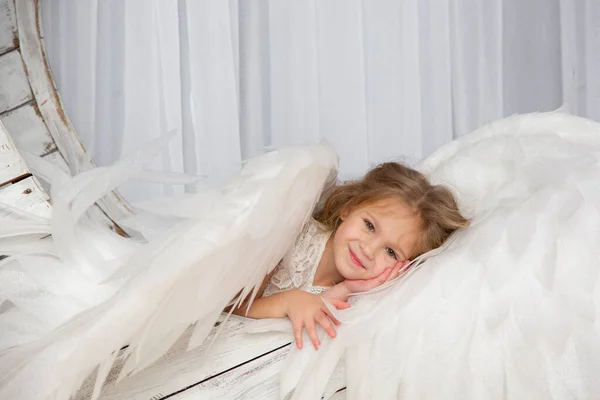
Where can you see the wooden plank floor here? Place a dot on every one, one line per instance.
(237, 366)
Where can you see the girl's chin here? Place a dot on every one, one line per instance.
(352, 272)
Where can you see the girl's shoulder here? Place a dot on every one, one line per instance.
(297, 269)
(311, 230)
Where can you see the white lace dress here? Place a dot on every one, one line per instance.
(299, 265)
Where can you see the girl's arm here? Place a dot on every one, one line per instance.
(305, 311)
(241, 309)
(273, 306)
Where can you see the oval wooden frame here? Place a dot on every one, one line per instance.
(30, 77)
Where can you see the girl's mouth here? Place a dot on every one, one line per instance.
(355, 260)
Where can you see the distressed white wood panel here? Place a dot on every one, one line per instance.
(23, 200)
(12, 165)
(24, 196)
(180, 369)
(8, 26)
(57, 159)
(239, 365)
(49, 103)
(258, 379)
(341, 395)
(14, 86)
(28, 130)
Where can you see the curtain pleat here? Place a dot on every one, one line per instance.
(477, 76)
(435, 75)
(580, 56)
(592, 54)
(104, 141)
(342, 83)
(533, 60)
(254, 78)
(214, 99)
(294, 75)
(380, 79)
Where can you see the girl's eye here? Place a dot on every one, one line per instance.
(391, 253)
(369, 225)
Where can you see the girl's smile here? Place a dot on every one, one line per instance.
(355, 259)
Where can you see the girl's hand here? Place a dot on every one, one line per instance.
(306, 310)
(364, 285)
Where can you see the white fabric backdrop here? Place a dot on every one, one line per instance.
(381, 79)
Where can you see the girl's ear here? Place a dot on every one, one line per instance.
(344, 214)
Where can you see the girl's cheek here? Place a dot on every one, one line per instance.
(381, 265)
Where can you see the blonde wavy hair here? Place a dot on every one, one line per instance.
(435, 205)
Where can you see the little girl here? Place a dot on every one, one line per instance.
(365, 233)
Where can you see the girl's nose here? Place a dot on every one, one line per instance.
(368, 249)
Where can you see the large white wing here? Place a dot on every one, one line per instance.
(510, 308)
(68, 308)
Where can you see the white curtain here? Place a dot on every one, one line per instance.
(380, 79)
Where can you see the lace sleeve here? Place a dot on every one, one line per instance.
(297, 269)
(280, 281)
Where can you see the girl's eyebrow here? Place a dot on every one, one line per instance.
(398, 248)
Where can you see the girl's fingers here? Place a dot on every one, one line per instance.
(298, 334)
(331, 317)
(382, 278)
(311, 329)
(395, 270)
(340, 305)
(324, 321)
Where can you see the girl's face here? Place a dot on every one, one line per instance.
(375, 237)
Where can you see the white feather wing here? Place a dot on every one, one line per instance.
(64, 315)
(510, 308)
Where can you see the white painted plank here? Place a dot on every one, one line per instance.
(23, 200)
(24, 196)
(8, 26)
(179, 368)
(48, 100)
(258, 379)
(57, 159)
(226, 372)
(11, 164)
(14, 86)
(28, 130)
(341, 395)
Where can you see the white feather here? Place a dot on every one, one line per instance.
(510, 308)
(144, 295)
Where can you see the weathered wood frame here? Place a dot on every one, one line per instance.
(30, 106)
